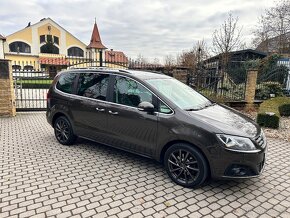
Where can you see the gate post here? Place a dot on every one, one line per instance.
(7, 95)
(251, 88)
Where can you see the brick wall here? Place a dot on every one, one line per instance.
(7, 96)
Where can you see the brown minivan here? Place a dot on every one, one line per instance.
(156, 116)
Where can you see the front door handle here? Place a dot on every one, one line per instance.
(100, 109)
(113, 113)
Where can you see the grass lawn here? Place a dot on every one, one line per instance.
(35, 81)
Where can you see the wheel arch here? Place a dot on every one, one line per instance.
(57, 115)
(169, 144)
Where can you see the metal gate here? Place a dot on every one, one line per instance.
(31, 85)
(30, 89)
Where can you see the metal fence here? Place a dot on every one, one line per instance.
(274, 82)
(32, 79)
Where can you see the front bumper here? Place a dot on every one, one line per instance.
(232, 164)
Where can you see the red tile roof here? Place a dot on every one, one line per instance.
(96, 41)
(53, 61)
(115, 56)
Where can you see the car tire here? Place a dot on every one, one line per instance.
(186, 165)
(63, 131)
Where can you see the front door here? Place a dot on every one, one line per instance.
(130, 128)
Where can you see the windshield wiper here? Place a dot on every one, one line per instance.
(193, 109)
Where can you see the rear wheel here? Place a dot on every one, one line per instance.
(185, 165)
(63, 131)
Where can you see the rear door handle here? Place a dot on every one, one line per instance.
(100, 109)
(113, 113)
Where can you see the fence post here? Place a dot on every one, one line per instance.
(251, 88)
(7, 95)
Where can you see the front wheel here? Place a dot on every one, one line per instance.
(185, 165)
(63, 131)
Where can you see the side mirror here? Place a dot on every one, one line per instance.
(146, 106)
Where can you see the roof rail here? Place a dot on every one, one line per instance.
(97, 68)
(124, 71)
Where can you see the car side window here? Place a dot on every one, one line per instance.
(129, 92)
(164, 109)
(65, 82)
(93, 85)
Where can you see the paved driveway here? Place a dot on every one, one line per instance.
(41, 178)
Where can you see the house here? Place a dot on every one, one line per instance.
(47, 46)
(276, 45)
(236, 59)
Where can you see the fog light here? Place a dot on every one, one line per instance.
(237, 170)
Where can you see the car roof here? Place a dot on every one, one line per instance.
(140, 74)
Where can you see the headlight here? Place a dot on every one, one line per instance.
(237, 143)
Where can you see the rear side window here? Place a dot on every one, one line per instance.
(93, 85)
(65, 82)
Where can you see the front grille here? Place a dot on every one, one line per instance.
(261, 140)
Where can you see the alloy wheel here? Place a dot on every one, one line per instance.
(183, 166)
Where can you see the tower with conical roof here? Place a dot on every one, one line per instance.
(96, 46)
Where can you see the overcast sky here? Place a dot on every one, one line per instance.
(153, 28)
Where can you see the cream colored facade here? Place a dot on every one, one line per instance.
(27, 49)
(31, 36)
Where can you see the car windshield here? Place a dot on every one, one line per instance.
(179, 93)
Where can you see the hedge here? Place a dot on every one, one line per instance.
(266, 120)
(284, 110)
(269, 112)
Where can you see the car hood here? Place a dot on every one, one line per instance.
(227, 121)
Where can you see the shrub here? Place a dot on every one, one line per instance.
(271, 105)
(265, 89)
(266, 120)
(284, 110)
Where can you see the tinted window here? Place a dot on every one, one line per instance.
(93, 85)
(65, 82)
(130, 92)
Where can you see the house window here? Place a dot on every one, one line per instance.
(75, 51)
(49, 38)
(49, 48)
(42, 38)
(16, 67)
(56, 40)
(21, 47)
(28, 67)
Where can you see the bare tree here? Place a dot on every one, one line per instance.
(226, 39)
(195, 56)
(273, 31)
(169, 62)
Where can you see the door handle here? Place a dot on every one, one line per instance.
(113, 113)
(100, 109)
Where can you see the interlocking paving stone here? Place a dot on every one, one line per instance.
(41, 178)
